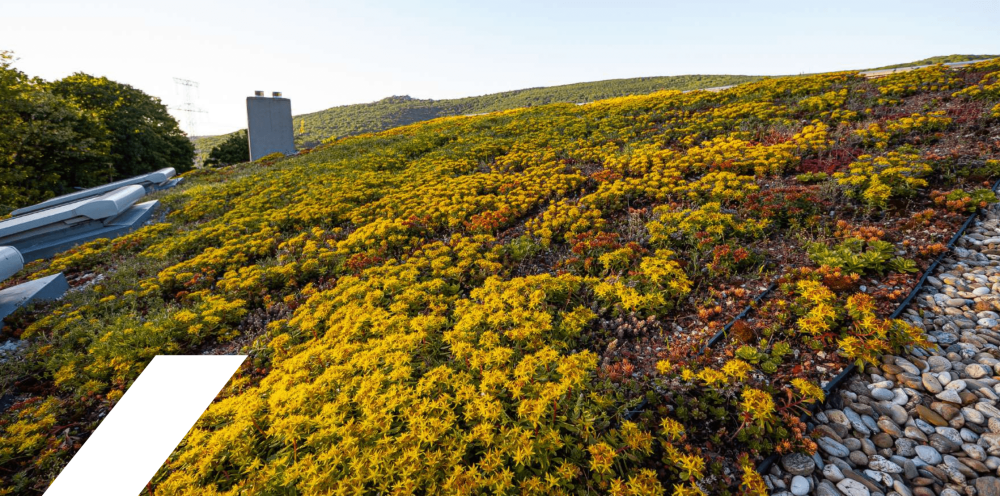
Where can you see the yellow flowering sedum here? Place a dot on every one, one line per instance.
(879, 135)
(737, 369)
(809, 391)
(876, 179)
(759, 405)
(414, 317)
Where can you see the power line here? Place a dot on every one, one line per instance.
(191, 113)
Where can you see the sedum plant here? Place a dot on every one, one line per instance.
(875, 180)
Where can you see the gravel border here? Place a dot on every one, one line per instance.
(926, 422)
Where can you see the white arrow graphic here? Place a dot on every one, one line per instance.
(149, 421)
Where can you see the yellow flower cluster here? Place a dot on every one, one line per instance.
(874, 180)
(830, 106)
(735, 154)
(934, 78)
(822, 312)
(413, 314)
(658, 284)
(759, 405)
(753, 483)
(503, 390)
(32, 420)
(564, 218)
(809, 391)
(870, 337)
(736, 369)
(879, 135)
(722, 186)
(704, 225)
(988, 86)
(825, 101)
(671, 429)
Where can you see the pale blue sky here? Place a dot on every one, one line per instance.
(322, 54)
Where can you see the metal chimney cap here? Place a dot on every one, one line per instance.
(275, 94)
(258, 93)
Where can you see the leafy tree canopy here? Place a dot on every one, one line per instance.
(144, 137)
(48, 144)
(78, 132)
(235, 149)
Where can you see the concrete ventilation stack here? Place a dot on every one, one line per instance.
(269, 125)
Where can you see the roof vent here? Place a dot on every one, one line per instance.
(258, 93)
(275, 94)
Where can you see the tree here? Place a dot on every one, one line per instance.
(234, 150)
(48, 144)
(144, 137)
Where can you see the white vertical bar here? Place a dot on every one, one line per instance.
(149, 421)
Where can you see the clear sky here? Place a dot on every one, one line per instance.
(326, 53)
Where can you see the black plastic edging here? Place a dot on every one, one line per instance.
(722, 332)
(764, 465)
(844, 374)
(712, 341)
(916, 289)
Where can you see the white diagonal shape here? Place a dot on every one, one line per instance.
(149, 421)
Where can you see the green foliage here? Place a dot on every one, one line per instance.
(394, 111)
(48, 144)
(521, 248)
(900, 264)
(234, 150)
(270, 157)
(812, 177)
(875, 180)
(959, 200)
(143, 136)
(78, 132)
(768, 362)
(855, 255)
(982, 195)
